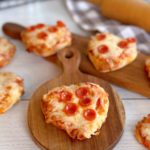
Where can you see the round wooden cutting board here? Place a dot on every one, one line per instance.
(52, 138)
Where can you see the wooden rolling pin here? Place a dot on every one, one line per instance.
(135, 12)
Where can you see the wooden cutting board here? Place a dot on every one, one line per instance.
(52, 138)
(131, 77)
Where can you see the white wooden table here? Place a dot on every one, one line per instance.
(14, 134)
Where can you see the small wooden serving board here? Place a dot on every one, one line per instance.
(132, 77)
(52, 138)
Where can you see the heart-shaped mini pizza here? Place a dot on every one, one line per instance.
(142, 131)
(45, 40)
(79, 109)
(108, 52)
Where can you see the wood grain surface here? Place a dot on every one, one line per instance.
(131, 77)
(52, 138)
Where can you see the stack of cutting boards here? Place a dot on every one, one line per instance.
(131, 77)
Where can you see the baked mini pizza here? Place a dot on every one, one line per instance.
(147, 66)
(11, 89)
(108, 52)
(7, 51)
(45, 40)
(79, 109)
(142, 132)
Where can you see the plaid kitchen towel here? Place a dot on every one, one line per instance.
(88, 17)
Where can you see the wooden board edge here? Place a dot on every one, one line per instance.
(42, 147)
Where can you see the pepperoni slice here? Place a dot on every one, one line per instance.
(40, 25)
(82, 92)
(90, 51)
(89, 114)
(131, 40)
(103, 49)
(99, 106)
(100, 37)
(123, 44)
(31, 28)
(42, 35)
(145, 68)
(98, 103)
(18, 80)
(52, 29)
(65, 96)
(146, 143)
(60, 24)
(70, 109)
(85, 102)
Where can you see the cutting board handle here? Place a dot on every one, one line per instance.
(70, 59)
(13, 30)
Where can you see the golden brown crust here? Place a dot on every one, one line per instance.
(7, 51)
(99, 63)
(138, 132)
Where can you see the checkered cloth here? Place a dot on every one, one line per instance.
(89, 18)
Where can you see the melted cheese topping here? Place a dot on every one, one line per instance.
(53, 42)
(112, 42)
(115, 53)
(5, 46)
(11, 89)
(77, 121)
(7, 51)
